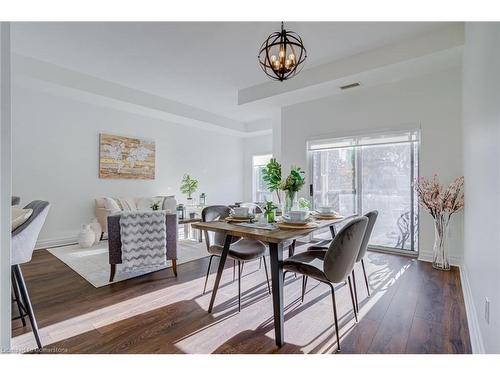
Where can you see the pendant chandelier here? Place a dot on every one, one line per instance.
(282, 55)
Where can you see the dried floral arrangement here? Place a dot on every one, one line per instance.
(437, 200)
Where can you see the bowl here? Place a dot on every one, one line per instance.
(325, 210)
(298, 215)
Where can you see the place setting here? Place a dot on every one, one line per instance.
(326, 213)
(296, 219)
(240, 215)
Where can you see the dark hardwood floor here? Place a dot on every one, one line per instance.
(413, 309)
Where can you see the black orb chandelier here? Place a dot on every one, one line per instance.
(282, 55)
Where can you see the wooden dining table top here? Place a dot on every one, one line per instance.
(277, 235)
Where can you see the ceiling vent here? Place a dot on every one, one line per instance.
(350, 86)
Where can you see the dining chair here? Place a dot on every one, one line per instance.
(372, 218)
(241, 250)
(24, 239)
(334, 265)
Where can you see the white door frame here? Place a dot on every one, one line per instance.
(5, 185)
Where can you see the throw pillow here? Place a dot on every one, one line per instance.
(112, 204)
(144, 204)
(169, 204)
(127, 204)
(19, 217)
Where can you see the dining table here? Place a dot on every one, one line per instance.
(275, 239)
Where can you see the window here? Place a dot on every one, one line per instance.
(360, 174)
(260, 191)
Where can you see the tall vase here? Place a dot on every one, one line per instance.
(290, 200)
(440, 244)
(86, 237)
(96, 228)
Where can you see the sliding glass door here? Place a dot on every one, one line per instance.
(360, 174)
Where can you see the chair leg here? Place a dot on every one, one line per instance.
(234, 268)
(112, 272)
(335, 317)
(260, 263)
(102, 236)
(304, 286)
(366, 278)
(242, 263)
(16, 269)
(174, 267)
(352, 299)
(284, 275)
(267, 276)
(355, 290)
(239, 286)
(208, 272)
(20, 307)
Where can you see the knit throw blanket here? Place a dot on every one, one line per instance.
(143, 236)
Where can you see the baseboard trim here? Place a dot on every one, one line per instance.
(55, 242)
(425, 256)
(476, 337)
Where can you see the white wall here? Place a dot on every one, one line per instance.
(260, 145)
(481, 129)
(55, 157)
(432, 102)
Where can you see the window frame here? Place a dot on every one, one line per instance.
(254, 181)
(415, 140)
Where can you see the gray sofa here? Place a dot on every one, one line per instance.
(115, 245)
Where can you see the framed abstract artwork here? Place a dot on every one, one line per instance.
(127, 158)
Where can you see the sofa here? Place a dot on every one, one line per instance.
(102, 210)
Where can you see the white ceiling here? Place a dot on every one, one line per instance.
(200, 64)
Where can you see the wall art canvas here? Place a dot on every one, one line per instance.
(124, 157)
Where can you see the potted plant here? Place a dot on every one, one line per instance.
(271, 175)
(270, 211)
(188, 186)
(441, 204)
(292, 186)
(155, 206)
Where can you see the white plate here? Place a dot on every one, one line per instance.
(331, 213)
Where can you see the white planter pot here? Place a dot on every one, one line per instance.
(96, 228)
(86, 237)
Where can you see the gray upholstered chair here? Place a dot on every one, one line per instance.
(24, 239)
(241, 249)
(334, 265)
(252, 206)
(372, 218)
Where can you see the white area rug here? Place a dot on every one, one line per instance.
(93, 263)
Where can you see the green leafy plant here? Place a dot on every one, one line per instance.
(271, 175)
(304, 204)
(270, 206)
(155, 206)
(295, 180)
(269, 211)
(188, 185)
